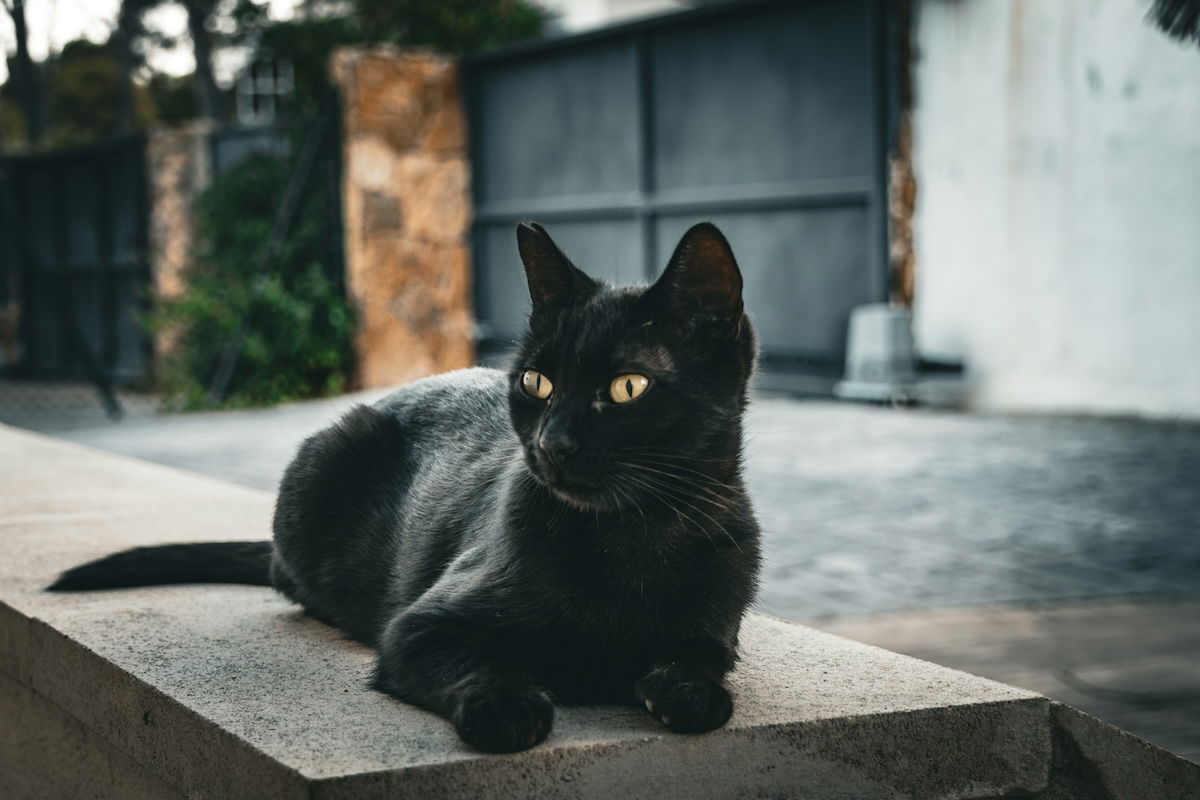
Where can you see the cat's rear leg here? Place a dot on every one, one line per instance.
(443, 662)
(684, 688)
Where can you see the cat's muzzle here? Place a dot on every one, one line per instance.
(563, 479)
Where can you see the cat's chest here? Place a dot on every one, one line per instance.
(593, 578)
(623, 595)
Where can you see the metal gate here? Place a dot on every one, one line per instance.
(764, 117)
(73, 260)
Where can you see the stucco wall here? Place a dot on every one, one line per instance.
(1057, 150)
(577, 15)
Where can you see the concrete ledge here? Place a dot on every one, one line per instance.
(227, 691)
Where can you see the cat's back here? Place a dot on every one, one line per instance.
(392, 435)
(452, 403)
(377, 452)
(353, 501)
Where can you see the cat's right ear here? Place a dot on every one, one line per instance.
(552, 278)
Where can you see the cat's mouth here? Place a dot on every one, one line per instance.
(572, 489)
(583, 498)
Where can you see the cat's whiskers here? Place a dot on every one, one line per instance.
(680, 495)
(675, 455)
(556, 516)
(665, 500)
(690, 477)
(668, 462)
(632, 499)
(674, 492)
(715, 498)
(692, 487)
(683, 498)
(671, 464)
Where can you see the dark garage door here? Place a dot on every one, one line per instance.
(764, 117)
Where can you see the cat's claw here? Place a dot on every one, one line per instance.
(504, 720)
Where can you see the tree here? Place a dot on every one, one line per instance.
(172, 97)
(130, 36)
(199, 13)
(308, 44)
(12, 123)
(85, 95)
(452, 26)
(25, 75)
(126, 39)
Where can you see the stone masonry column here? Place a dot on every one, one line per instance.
(407, 211)
(178, 168)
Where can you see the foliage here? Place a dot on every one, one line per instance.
(12, 125)
(308, 43)
(297, 322)
(173, 98)
(451, 26)
(85, 95)
(83, 82)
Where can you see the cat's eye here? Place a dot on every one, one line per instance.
(627, 387)
(535, 384)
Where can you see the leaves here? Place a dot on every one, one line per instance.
(298, 324)
(452, 26)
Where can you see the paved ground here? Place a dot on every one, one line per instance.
(1062, 554)
(1133, 661)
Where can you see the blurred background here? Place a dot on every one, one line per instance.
(970, 234)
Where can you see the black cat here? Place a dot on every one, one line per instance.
(573, 530)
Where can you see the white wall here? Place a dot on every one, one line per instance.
(1057, 155)
(578, 15)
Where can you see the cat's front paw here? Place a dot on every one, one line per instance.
(684, 700)
(504, 720)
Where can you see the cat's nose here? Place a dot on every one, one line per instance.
(556, 446)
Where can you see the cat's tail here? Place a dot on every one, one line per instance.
(202, 562)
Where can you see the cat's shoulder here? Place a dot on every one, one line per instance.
(465, 384)
(464, 393)
(434, 410)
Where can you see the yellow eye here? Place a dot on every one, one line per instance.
(536, 384)
(627, 387)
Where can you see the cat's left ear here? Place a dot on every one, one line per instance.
(702, 276)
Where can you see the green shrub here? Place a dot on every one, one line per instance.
(298, 323)
(449, 26)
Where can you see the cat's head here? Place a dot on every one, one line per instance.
(618, 394)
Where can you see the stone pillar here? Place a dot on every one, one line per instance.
(179, 167)
(407, 209)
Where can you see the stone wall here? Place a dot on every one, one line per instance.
(179, 167)
(406, 204)
(902, 183)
